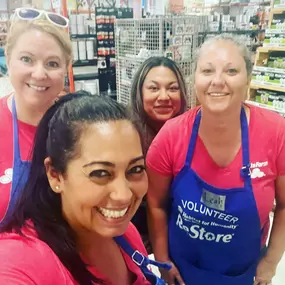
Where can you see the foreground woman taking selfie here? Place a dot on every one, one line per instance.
(71, 225)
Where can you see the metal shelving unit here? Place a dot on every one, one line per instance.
(138, 39)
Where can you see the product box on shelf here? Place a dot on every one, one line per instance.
(270, 98)
(278, 21)
(272, 38)
(276, 60)
(214, 26)
(270, 78)
(228, 26)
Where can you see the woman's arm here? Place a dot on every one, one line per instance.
(267, 267)
(157, 202)
(276, 246)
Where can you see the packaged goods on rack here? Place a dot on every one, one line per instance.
(105, 19)
(94, 48)
(267, 88)
(82, 24)
(276, 59)
(268, 78)
(274, 38)
(271, 98)
(278, 21)
(83, 34)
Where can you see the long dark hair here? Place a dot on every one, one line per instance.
(136, 102)
(57, 137)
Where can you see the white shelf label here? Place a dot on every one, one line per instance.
(269, 69)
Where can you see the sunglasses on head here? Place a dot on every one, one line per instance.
(32, 14)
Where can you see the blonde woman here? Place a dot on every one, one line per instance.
(38, 52)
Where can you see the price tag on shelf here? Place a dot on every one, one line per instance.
(274, 31)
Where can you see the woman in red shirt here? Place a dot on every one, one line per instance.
(214, 173)
(38, 52)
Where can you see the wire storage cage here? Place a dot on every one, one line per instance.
(138, 39)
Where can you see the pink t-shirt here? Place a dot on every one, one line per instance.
(32, 262)
(26, 137)
(167, 154)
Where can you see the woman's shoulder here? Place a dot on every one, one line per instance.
(266, 120)
(26, 256)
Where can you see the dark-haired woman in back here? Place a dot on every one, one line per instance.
(158, 94)
(71, 224)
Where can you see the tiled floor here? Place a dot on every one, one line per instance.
(5, 88)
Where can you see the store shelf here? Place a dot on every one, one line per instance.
(83, 36)
(281, 46)
(274, 31)
(278, 10)
(279, 6)
(269, 69)
(264, 106)
(234, 32)
(272, 48)
(89, 76)
(266, 3)
(78, 63)
(267, 86)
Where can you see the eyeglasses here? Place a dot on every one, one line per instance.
(32, 14)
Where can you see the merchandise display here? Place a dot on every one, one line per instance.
(268, 81)
(278, 21)
(94, 49)
(274, 38)
(274, 99)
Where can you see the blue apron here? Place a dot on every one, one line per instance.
(214, 234)
(142, 261)
(21, 168)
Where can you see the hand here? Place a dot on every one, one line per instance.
(172, 276)
(265, 272)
